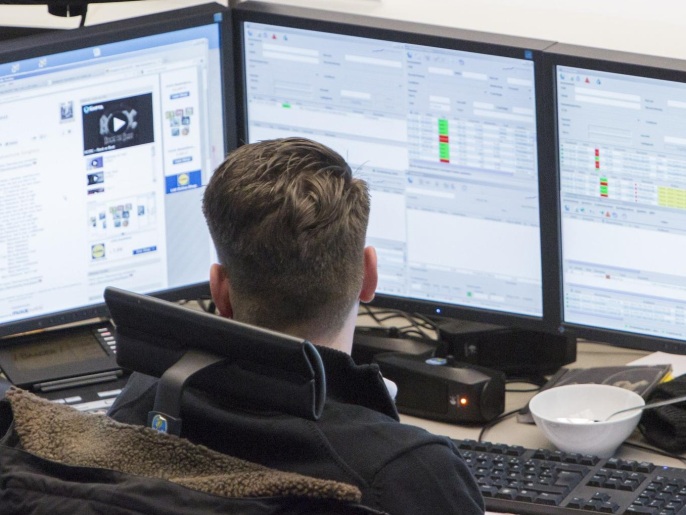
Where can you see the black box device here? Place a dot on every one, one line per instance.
(515, 351)
(437, 389)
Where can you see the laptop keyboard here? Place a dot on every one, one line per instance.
(514, 479)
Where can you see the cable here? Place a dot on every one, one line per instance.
(368, 312)
(496, 421)
(428, 323)
(413, 329)
(538, 380)
(522, 380)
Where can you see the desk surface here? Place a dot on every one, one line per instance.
(511, 432)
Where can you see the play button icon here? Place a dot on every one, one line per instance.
(118, 122)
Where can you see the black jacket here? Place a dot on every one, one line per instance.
(399, 468)
(55, 460)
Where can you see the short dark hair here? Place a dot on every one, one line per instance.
(289, 223)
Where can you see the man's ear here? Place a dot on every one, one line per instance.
(371, 275)
(219, 288)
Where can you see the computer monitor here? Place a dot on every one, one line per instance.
(621, 145)
(444, 125)
(108, 135)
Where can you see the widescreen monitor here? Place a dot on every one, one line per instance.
(443, 124)
(621, 146)
(108, 135)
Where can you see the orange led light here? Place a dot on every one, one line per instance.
(463, 401)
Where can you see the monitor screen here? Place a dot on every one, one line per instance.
(621, 144)
(108, 135)
(443, 126)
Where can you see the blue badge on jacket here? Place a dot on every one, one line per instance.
(159, 423)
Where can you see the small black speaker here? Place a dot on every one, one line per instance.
(439, 389)
(517, 352)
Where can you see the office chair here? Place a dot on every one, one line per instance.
(55, 459)
(259, 368)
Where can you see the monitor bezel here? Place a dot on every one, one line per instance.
(444, 37)
(612, 61)
(9, 32)
(65, 40)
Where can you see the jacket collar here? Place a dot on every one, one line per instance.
(350, 383)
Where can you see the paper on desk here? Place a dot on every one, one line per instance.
(677, 361)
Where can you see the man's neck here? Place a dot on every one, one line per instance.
(341, 340)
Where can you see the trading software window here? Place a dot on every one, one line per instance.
(622, 153)
(445, 138)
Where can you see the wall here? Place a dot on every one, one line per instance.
(654, 28)
(38, 16)
(642, 26)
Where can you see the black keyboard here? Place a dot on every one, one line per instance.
(515, 479)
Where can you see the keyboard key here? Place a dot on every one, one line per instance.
(588, 459)
(640, 510)
(608, 507)
(600, 496)
(567, 479)
(572, 457)
(576, 503)
(499, 449)
(612, 463)
(525, 495)
(548, 499)
(515, 451)
(557, 490)
(488, 491)
(506, 493)
(644, 466)
(629, 485)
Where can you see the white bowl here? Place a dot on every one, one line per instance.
(559, 413)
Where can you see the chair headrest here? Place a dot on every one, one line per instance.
(266, 369)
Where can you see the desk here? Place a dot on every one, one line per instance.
(511, 432)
